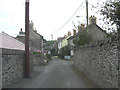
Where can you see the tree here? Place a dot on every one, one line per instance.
(84, 38)
(111, 12)
(65, 51)
(54, 51)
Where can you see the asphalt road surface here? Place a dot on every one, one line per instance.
(57, 74)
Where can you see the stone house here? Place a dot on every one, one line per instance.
(36, 40)
(97, 33)
(48, 45)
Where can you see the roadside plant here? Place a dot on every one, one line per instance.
(83, 38)
(65, 51)
(111, 12)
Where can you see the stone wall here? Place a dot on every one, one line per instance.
(13, 66)
(38, 59)
(99, 62)
(0, 69)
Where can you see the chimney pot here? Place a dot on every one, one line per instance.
(74, 31)
(69, 33)
(21, 29)
(93, 19)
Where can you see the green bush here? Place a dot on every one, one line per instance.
(54, 52)
(84, 38)
(36, 53)
(48, 56)
(65, 51)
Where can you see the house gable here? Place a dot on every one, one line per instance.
(96, 32)
(10, 42)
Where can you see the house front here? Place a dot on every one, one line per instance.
(36, 40)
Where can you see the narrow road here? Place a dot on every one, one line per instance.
(57, 74)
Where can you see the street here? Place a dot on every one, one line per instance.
(57, 74)
(35, 34)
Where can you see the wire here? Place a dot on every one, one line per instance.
(68, 19)
(80, 10)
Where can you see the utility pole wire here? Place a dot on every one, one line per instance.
(87, 11)
(80, 10)
(74, 25)
(69, 19)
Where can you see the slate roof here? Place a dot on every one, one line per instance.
(89, 29)
(98, 27)
(6, 41)
(76, 35)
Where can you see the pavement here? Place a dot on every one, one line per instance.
(57, 74)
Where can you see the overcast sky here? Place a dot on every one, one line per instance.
(48, 16)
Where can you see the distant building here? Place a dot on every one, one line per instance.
(21, 36)
(60, 42)
(36, 40)
(48, 45)
(65, 42)
(71, 39)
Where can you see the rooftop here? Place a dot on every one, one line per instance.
(9, 42)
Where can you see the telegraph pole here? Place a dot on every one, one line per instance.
(87, 11)
(27, 72)
(52, 36)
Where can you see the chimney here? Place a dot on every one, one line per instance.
(21, 29)
(32, 25)
(82, 25)
(93, 20)
(21, 32)
(65, 36)
(78, 27)
(69, 33)
(35, 30)
(74, 31)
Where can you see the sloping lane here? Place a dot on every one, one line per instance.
(58, 74)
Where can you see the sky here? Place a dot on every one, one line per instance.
(49, 16)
